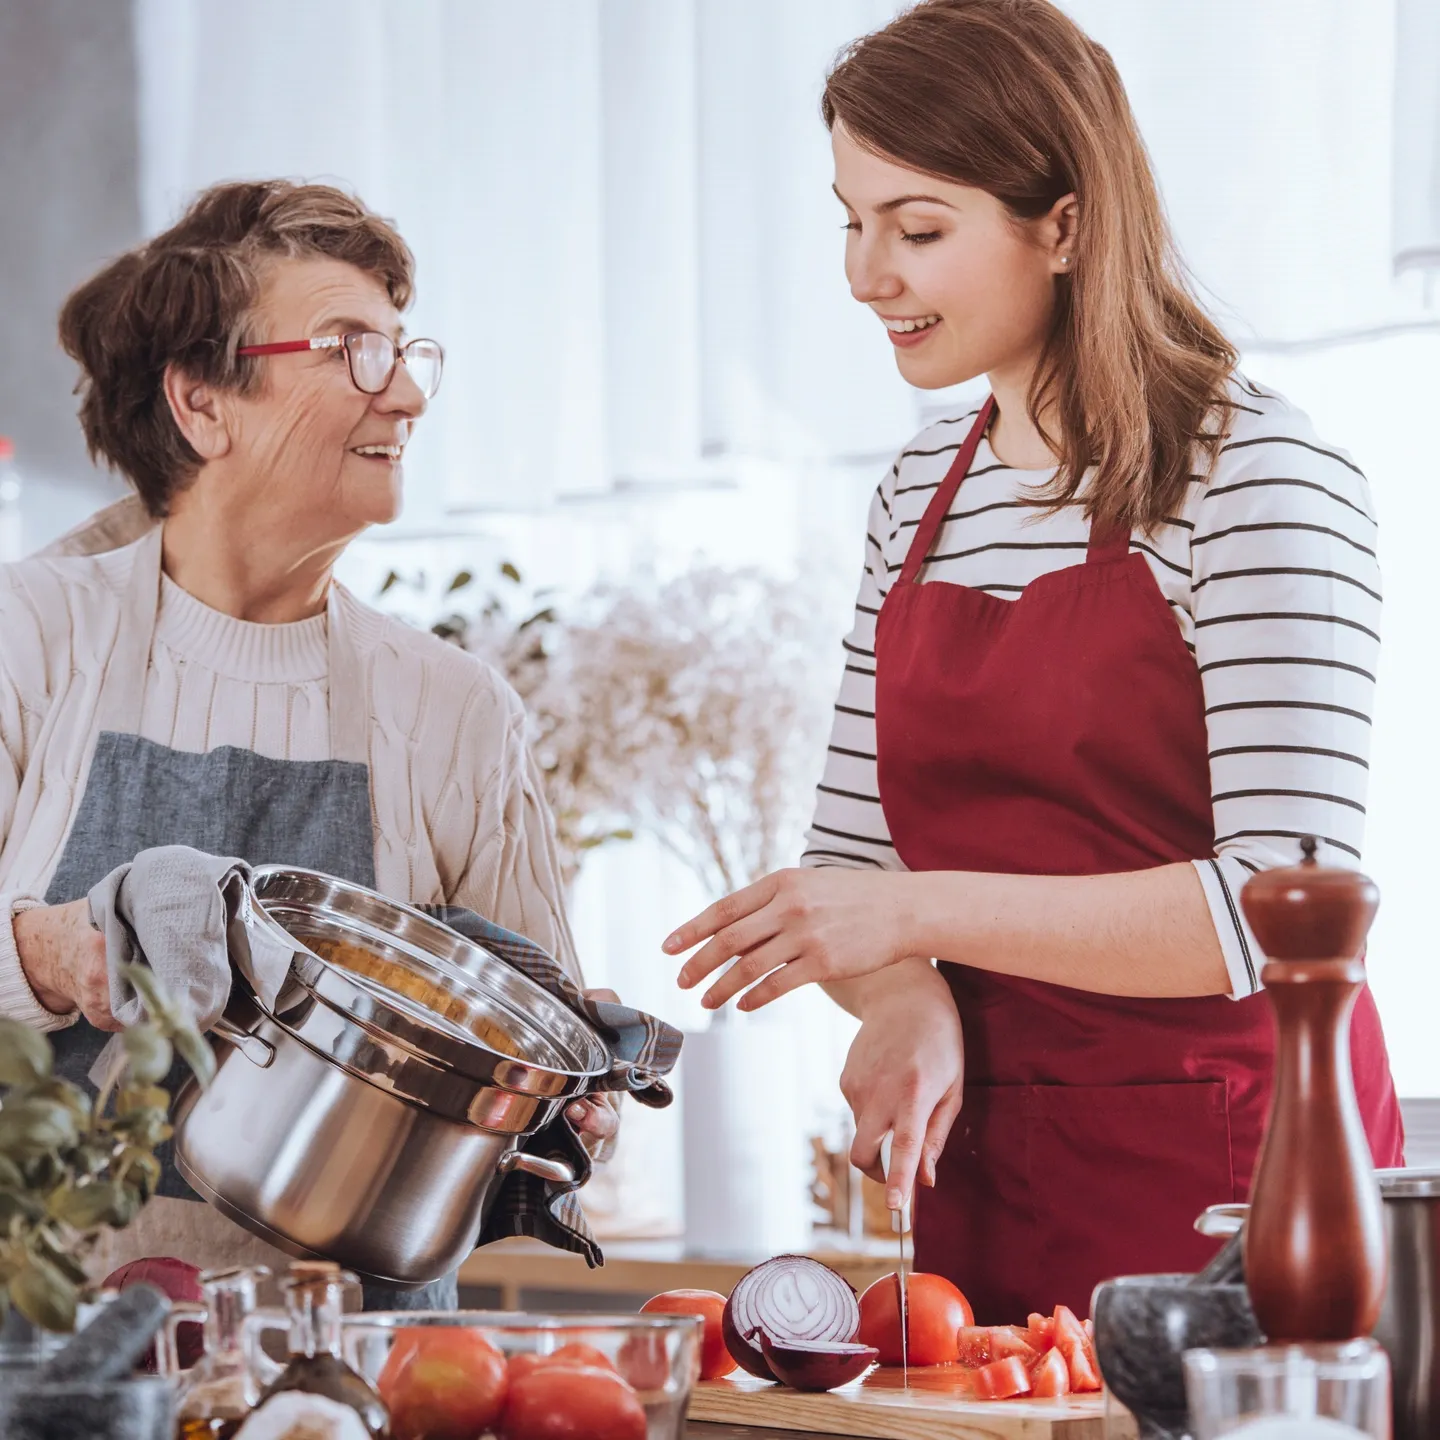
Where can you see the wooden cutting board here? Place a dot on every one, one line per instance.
(935, 1405)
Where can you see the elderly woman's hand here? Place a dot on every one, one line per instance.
(63, 957)
(597, 1117)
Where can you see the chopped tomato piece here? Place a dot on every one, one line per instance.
(973, 1344)
(1001, 1379)
(1050, 1375)
(1008, 1340)
(1074, 1344)
(1041, 1330)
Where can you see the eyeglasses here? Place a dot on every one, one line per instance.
(372, 358)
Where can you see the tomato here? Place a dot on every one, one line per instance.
(522, 1364)
(972, 1346)
(442, 1383)
(1050, 1375)
(562, 1402)
(643, 1362)
(1041, 1330)
(1008, 1340)
(936, 1311)
(1074, 1344)
(587, 1357)
(715, 1360)
(1001, 1379)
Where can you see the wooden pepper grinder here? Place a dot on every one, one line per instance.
(1314, 1241)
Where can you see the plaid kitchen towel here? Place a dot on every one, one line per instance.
(643, 1050)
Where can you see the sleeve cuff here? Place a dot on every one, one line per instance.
(17, 999)
(1222, 880)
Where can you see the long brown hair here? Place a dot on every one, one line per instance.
(185, 298)
(1013, 98)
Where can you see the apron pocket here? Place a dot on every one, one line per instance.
(1118, 1174)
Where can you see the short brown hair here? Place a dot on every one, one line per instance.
(1012, 97)
(185, 298)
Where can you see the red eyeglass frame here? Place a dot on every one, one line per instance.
(335, 342)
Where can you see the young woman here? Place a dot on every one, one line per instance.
(1114, 651)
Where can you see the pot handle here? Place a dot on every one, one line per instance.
(555, 1170)
(257, 1051)
(1219, 1222)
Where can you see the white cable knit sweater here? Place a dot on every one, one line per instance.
(459, 813)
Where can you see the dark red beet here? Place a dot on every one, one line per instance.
(177, 1280)
(793, 1300)
(818, 1367)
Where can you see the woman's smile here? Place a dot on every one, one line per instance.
(908, 331)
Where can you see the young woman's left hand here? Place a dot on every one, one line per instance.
(597, 1117)
(796, 927)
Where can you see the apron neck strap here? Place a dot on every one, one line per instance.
(1107, 543)
(939, 506)
(349, 692)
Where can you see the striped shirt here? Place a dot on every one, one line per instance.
(1271, 574)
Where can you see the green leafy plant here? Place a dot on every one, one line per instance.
(73, 1165)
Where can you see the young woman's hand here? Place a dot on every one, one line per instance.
(63, 957)
(904, 1076)
(797, 927)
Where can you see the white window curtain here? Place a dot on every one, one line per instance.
(1417, 136)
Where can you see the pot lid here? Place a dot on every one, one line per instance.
(1419, 1184)
(396, 971)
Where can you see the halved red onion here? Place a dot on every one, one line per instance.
(794, 1301)
(814, 1366)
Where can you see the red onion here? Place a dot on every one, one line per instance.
(794, 1301)
(817, 1367)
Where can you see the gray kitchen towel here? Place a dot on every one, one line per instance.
(170, 907)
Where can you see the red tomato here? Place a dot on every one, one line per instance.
(578, 1354)
(936, 1311)
(715, 1360)
(560, 1402)
(1001, 1379)
(1008, 1340)
(643, 1362)
(1074, 1344)
(1041, 1330)
(1050, 1375)
(442, 1383)
(972, 1345)
(522, 1364)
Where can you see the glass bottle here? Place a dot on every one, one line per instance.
(219, 1391)
(314, 1300)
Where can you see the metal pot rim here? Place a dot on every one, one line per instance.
(1422, 1183)
(464, 964)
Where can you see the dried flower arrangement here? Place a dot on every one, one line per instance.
(693, 709)
(69, 1166)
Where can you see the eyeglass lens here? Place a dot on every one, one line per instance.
(373, 357)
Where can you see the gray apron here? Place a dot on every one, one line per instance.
(312, 813)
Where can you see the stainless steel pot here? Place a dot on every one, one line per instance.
(371, 1115)
(1409, 1324)
(1409, 1327)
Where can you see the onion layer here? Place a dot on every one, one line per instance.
(794, 1301)
(817, 1367)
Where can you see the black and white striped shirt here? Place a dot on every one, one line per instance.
(1271, 574)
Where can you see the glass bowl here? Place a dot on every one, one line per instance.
(659, 1355)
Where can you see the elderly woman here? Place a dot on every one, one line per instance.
(185, 669)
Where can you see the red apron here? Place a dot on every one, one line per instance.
(1063, 733)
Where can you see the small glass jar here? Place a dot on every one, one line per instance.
(215, 1395)
(314, 1293)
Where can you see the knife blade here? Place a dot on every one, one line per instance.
(900, 1223)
